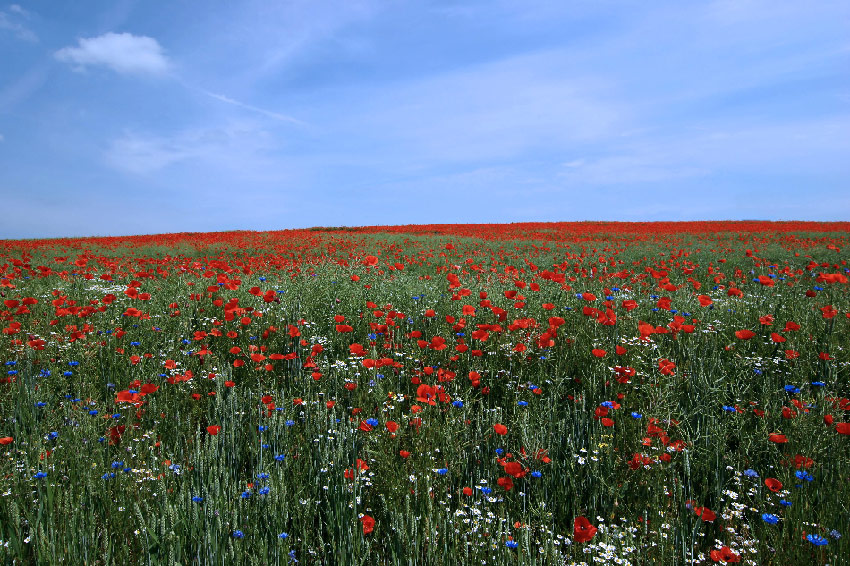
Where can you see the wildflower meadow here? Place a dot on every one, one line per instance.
(548, 393)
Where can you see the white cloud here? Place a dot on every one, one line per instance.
(2, 138)
(8, 22)
(121, 52)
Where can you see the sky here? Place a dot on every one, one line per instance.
(130, 117)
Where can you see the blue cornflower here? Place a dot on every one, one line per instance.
(41, 404)
(68, 373)
(457, 403)
(486, 490)
(636, 415)
(264, 490)
(40, 475)
(73, 363)
(116, 416)
(835, 534)
(792, 389)
(536, 474)
(116, 465)
(372, 421)
(769, 518)
(197, 499)
(107, 476)
(93, 412)
(729, 409)
(511, 544)
(53, 435)
(522, 403)
(818, 383)
(44, 373)
(372, 336)
(803, 475)
(817, 540)
(280, 457)
(246, 494)
(265, 446)
(262, 428)
(12, 372)
(785, 502)
(292, 556)
(262, 476)
(607, 404)
(290, 422)
(262, 278)
(283, 535)
(443, 471)
(499, 451)
(750, 473)
(135, 343)
(238, 534)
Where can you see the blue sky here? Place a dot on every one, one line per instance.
(140, 117)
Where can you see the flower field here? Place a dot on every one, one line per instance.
(550, 393)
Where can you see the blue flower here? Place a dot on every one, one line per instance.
(457, 403)
(264, 490)
(265, 446)
(197, 499)
(40, 475)
(443, 471)
(536, 474)
(280, 457)
(262, 428)
(283, 535)
(804, 475)
(750, 473)
(116, 416)
(372, 421)
(116, 465)
(818, 383)
(511, 544)
(486, 490)
(246, 494)
(499, 451)
(607, 404)
(238, 534)
(290, 422)
(785, 502)
(769, 518)
(41, 404)
(522, 403)
(262, 476)
(68, 373)
(53, 435)
(817, 540)
(792, 389)
(636, 415)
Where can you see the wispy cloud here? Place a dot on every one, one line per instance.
(11, 22)
(218, 148)
(121, 52)
(258, 110)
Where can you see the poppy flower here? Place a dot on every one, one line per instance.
(777, 438)
(583, 531)
(724, 554)
(773, 484)
(213, 429)
(705, 514)
(598, 352)
(840, 428)
(506, 483)
(500, 429)
(368, 524)
(704, 300)
(6, 440)
(744, 334)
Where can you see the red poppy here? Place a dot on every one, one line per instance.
(773, 484)
(705, 514)
(6, 440)
(598, 353)
(724, 554)
(506, 483)
(842, 428)
(500, 429)
(583, 531)
(777, 438)
(392, 426)
(744, 334)
(467, 491)
(704, 300)
(368, 524)
(213, 429)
